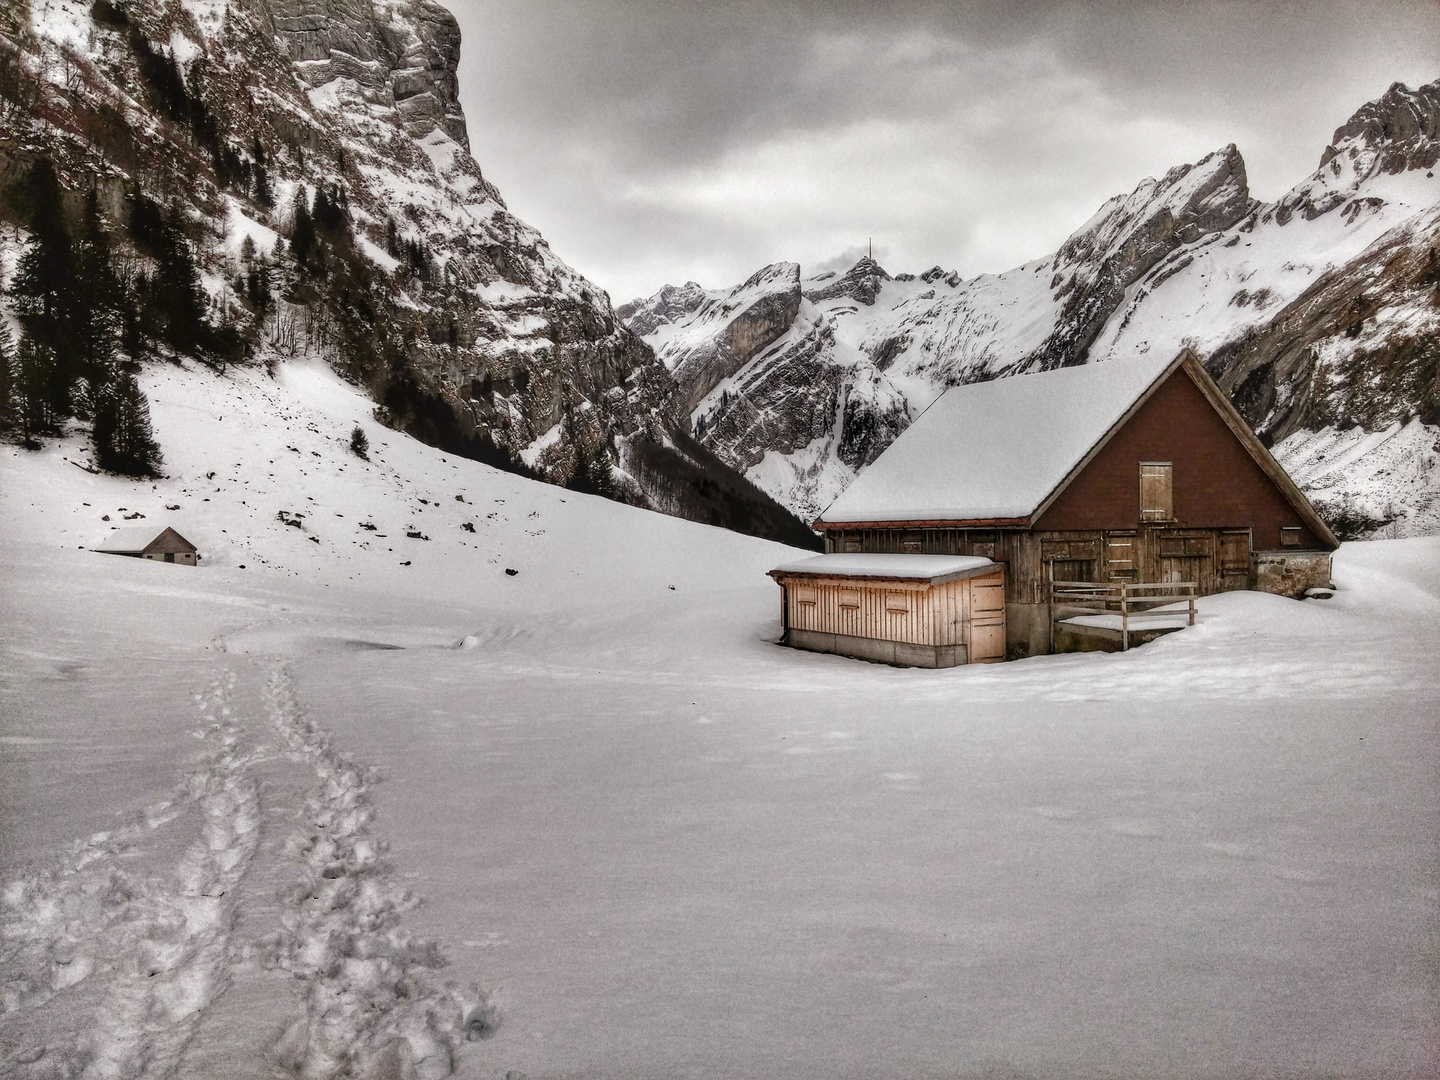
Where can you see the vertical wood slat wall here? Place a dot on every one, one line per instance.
(934, 615)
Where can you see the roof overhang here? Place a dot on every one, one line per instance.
(783, 576)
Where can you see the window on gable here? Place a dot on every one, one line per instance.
(1290, 536)
(1157, 491)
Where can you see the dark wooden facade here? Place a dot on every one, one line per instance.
(1218, 560)
(1235, 521)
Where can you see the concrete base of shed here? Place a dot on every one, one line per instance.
(1074, 637)
(898, 653)
(1027, 630)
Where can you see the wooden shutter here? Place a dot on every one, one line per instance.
(988, 598)
(1157, 491)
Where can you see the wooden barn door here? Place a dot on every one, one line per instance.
(1188, 558)
(1121, 557)
(1234, 559)
(987, 619)
(1070, 560)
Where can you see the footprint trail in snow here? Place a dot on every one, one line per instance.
(107, 971)
(371, 1001)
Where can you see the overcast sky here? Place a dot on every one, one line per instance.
(699, 140)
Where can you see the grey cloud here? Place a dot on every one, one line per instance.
(583, 111)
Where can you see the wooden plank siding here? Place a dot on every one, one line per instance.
(1209, 478)
(1217, 560)
(911, 612)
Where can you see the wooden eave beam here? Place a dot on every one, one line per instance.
(939, 523)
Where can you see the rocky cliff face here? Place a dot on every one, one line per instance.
(399, 58)
(466, 328)
(1094, 268)
(707, 338)
(1317, 311)
(473, 329)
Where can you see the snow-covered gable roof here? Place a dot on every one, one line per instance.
(133, 539)
(994, 451)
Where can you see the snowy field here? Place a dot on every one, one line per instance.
(349, 808)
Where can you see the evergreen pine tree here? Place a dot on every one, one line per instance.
(175, 291)
(9, 376)
(263, 195)
(98, 299)
(38, 408)
(44, 291)
(302, 233)
(123, 438)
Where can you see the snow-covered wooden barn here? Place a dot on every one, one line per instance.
(1132, 471)
(154, 542)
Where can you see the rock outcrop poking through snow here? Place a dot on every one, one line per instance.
(1094, 268)
(400, 57)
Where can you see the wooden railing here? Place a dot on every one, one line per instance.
(1126, 597)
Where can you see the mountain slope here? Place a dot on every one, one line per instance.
(456, 315)
(1317, 310)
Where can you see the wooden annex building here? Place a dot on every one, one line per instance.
(913, 610)
(1135, 471)
(156, 543)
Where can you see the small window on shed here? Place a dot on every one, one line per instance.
(1157, 491)
(851, 543)
(1290, 536)
(849, 598)
(897, 602)
(806, 594)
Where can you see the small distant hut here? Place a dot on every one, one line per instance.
(910, 610)
(1111, 478)
(156, 543)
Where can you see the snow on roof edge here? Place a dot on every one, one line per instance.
(890, 566)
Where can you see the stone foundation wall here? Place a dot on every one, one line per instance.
(1290, 573)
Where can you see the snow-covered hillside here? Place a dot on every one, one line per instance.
(348, 801)
(1294, 305)
(1382, 482)
(451, 309)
